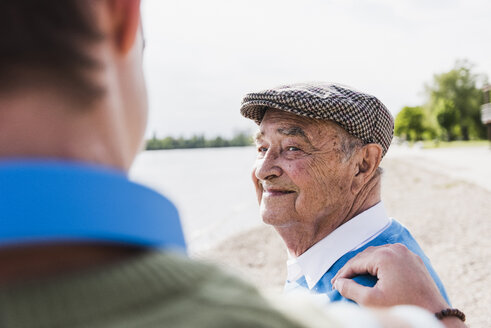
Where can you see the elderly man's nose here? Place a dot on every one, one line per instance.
(267, 167)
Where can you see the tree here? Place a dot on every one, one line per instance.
(199, 141)
(153, 143)
(454, 99)
(241, 139)
(448, 116)
(411, 123)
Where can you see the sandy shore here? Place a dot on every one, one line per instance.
(450, 218)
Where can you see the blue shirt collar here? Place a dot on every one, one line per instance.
(55, 201)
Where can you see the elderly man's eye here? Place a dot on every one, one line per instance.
(262, 149)
(292, 148)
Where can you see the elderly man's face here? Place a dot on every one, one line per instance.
(301, 173)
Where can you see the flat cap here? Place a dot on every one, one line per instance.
(360, 114)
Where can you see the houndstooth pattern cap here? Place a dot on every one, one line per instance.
(360, 114)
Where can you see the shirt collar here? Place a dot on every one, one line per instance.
(351, 235)
(55, 201)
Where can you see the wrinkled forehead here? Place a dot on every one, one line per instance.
(281, 122)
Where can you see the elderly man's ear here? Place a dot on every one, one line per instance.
(367, 161)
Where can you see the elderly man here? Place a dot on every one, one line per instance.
(318, 179)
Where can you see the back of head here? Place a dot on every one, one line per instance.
(44, 43)
(71, 80)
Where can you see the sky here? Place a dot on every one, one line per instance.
(202, 57)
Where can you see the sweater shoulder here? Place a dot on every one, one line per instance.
(154, 289)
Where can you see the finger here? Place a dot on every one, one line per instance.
(365, 262)
(346, 269)
(354, 291)
(360, 264)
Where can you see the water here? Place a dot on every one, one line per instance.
(211, 187)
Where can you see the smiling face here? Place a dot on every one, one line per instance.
(302, 174)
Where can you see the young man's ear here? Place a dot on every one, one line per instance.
(368, 162)
(126, 22)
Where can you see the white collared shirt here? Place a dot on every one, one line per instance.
(350, 236)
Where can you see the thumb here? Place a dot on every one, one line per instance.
(352, 290)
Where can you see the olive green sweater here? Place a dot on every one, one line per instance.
(151, 290)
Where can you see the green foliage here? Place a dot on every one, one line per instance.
(410, 123)
(414, 124)
(453, 109)
(239, 140)
(448, 116)
(455, 99)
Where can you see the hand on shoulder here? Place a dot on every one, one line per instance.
(402, 279)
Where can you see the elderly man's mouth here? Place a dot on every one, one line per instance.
(277, 192)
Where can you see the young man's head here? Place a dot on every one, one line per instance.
(71, 80)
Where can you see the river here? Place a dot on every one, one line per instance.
(211, 187)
